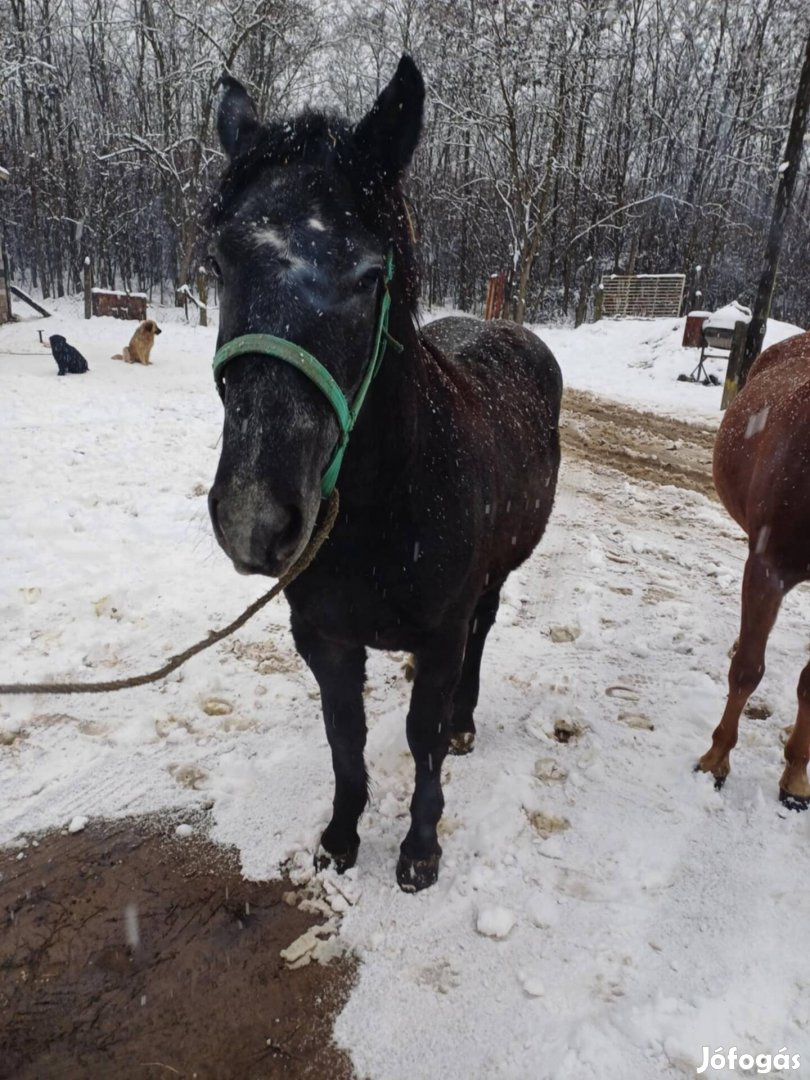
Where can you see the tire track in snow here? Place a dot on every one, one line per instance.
(645, 446)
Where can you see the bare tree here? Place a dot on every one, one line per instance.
(561, 141)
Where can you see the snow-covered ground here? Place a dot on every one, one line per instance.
(650, 915)
(638, 361)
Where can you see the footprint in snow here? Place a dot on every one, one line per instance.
(189, 776)
(216, 706)
(545, 825)
(566, 730)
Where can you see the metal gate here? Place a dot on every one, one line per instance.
(645, 296)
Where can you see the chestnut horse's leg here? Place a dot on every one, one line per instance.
(438, 668)
(462, 727)
(340, 672)
(794, 789)
(762, 593)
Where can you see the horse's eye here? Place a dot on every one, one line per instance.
(215, 270)
(369, 280)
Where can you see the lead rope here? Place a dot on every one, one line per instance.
(214, 636)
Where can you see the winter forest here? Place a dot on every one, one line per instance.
(562, 141)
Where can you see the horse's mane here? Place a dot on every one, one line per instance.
(326, 141)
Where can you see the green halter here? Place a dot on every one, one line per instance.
(281, 349)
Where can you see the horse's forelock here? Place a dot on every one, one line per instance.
(313, 138)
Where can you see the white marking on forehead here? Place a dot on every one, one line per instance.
(272, 238)
(316, 224)
(269, 237)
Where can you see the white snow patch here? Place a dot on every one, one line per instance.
(495, 922)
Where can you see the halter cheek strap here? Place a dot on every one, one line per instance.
(281, 349)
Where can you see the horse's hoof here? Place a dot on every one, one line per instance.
(342, 862)
(794, 802)
(413, 875)
(719, 781)
(462, 742)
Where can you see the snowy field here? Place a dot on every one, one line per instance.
(638, 361)
(648, 916)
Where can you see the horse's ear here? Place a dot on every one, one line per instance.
(237, 117)
(390, 131)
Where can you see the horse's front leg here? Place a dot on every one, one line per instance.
(438, 667)
(340, 671)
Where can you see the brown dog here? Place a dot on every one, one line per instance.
(140, 347)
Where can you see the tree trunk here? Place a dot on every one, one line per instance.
(523, 288)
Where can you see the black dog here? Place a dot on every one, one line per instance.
(69, 360)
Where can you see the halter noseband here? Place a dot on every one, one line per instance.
(290, 353)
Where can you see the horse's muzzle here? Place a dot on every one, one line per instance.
(258, 535)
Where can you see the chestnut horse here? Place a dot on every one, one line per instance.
(446, 474)
(761, 460)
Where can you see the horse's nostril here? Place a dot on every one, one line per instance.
(275, 535)
(288, 537)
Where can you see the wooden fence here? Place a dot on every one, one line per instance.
(641, 295)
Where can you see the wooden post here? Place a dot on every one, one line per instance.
(735, 359)
(695, 296)
(495, 296)
(88, 288)
(181, 299)
(490, 301)
(202, 292)
(597, 306)
(5, 299)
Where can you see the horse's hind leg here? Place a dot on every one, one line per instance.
(794, 789)
(438, 668)
(762, 593)
(340, 672)
(462, 728)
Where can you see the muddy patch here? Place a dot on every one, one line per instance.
(128, 951)
(645, 446)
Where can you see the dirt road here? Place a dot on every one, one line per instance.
(643, 445)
